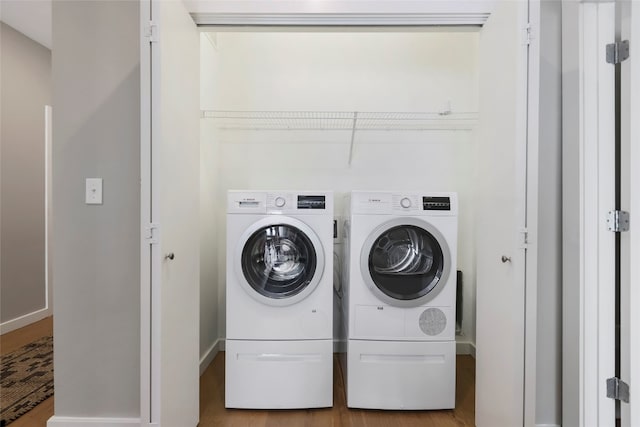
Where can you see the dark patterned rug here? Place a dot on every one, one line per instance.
(26, 379)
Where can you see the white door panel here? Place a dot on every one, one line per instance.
(170, 180)
(500, 313)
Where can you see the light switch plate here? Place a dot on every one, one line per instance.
(93, 193)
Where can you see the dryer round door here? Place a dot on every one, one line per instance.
(406, 262)
(279, 261)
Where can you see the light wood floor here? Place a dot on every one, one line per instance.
(213, 412)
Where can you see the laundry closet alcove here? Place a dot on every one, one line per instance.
(342, 102)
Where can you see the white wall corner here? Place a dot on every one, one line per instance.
(466, 347)
(210, 354)
(25, 320)
(57, 421)
(212, 38)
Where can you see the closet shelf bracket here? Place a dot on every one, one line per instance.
(353, 135)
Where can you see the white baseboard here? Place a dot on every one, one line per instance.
(57, 421)
(548, 425)
(466, 348)
(22, 321)
(210, 354)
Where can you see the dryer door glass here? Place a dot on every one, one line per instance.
(279, 261)
(406, 262)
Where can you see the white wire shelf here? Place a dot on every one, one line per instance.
(342, 120)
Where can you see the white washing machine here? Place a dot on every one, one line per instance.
(399, 298)
(279, 345)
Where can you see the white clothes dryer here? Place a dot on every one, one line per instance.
(279, 300)
(400, 299)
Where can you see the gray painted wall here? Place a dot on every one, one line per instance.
(571, 214)
(25, 70)
(96, 133)
(549, 332)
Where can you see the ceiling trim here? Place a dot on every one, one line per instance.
(213, 19)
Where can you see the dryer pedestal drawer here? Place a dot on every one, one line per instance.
(405, 375)
(279, 374)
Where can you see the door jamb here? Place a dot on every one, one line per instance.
(531, 191)
(146, 416)
(630, 202)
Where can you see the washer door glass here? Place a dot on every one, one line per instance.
(279, 261)
(406, 262)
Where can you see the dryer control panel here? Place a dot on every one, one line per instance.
(413, 203)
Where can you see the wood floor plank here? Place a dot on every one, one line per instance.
(38, 416)
(15, 339)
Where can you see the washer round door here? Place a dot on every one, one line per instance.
(279, 261)
(406, 262)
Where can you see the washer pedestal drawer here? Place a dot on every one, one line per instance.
(279, 374)
(404, 375)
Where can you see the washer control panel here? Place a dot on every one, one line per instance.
(280, 202)
(290, 202)
(405, 202)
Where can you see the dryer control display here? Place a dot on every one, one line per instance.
(436, 203)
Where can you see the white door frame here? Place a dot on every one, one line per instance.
(597, 198)
(531, 188)
(47, 310)
(48, 206)
(634, 206)
(147, 336)
(630, 202)
(400, 13)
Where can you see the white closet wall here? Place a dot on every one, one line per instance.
(353, 72)
(209, 250)
(381, 71)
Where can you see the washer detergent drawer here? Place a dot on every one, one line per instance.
(401, 375)
(279, 374)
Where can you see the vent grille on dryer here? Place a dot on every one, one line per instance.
(433, 321)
